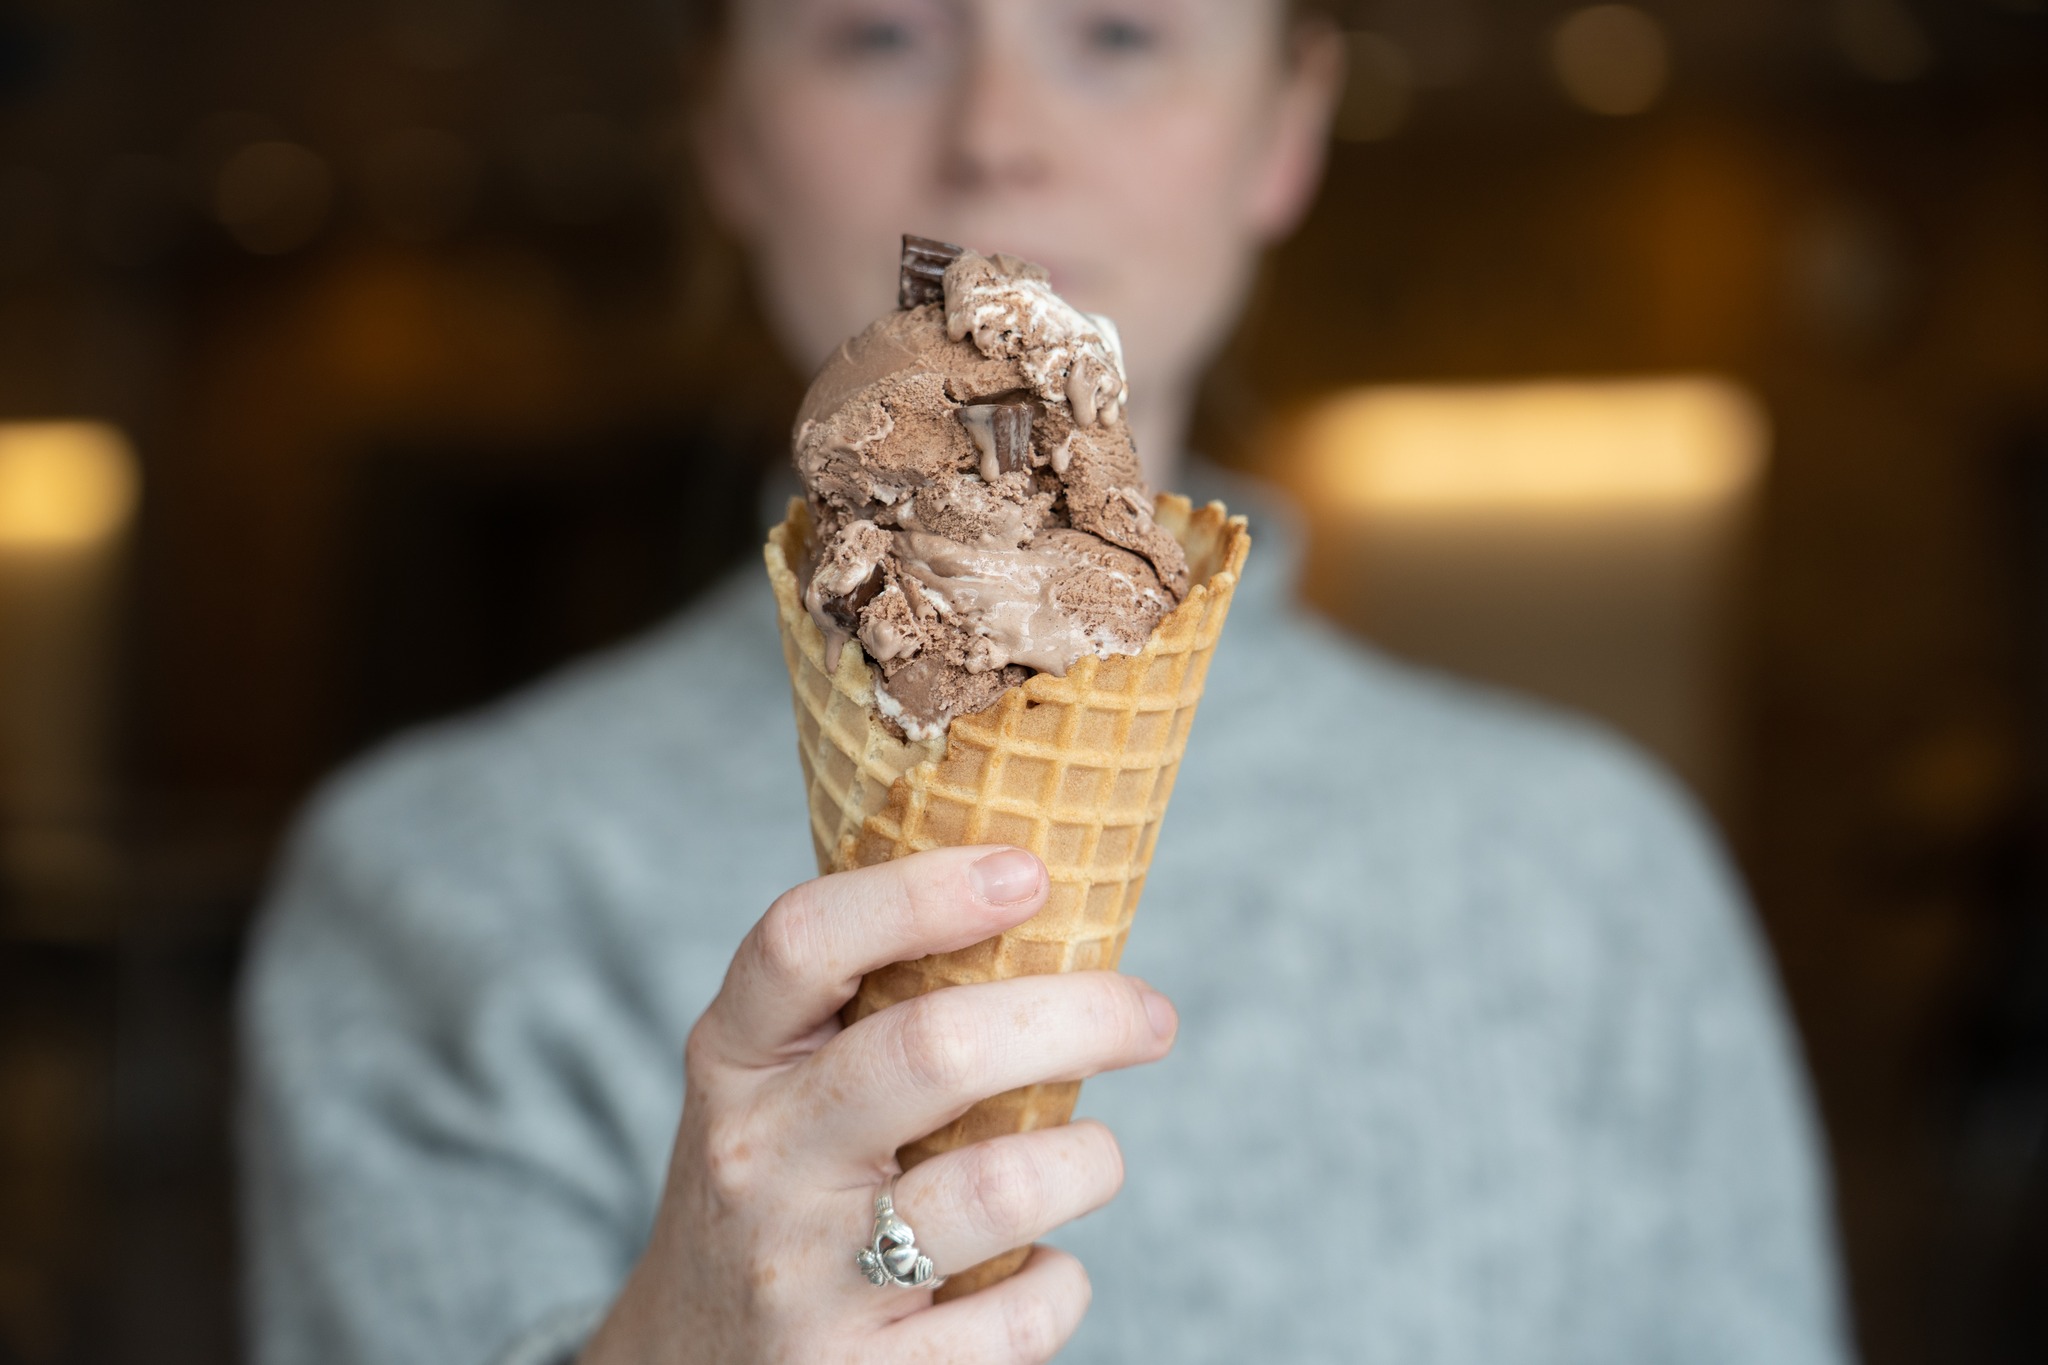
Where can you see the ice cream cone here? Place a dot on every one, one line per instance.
(1077, 769)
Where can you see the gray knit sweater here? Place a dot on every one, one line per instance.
(1479, 1059)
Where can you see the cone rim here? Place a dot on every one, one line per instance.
(856, 675)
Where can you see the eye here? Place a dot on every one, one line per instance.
(893, 45)
(1119, 36)
(873, 37)
(879, 31)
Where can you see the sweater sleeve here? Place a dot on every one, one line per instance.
(438, 1095)
(1721, 1193)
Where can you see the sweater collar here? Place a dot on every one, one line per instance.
(1272, 573)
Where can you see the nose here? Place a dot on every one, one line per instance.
(999, 135)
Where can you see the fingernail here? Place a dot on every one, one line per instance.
(1161, 1012)
(1005, 878)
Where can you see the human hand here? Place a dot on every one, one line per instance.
(791, 1123)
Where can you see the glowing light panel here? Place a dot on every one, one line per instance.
(64, 484)
(1534, 447)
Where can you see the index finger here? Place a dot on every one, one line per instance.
(804, 959)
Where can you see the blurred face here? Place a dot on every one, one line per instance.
(1144, 150)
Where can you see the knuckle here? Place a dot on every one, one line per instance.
(700, 1050)
(1109, 1154)
(761, 1274)
(931, 890)
(732, 1157)
(1079, 1285)
(1033, 1327)
(1006, 1189)
(1114, 1009)
(808, 1349)
(938, 1043)
(786, 940)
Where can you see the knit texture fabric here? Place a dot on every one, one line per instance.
(1488, 1068)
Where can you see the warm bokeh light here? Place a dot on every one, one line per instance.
(1611, 59)
(273, 196)
(419, 184)
(1549, 446)
(1880, 38)
(1377, 88)
(64, 484)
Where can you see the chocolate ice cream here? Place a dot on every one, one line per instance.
(979, 510)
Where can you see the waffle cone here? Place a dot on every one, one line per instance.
(1076, 769)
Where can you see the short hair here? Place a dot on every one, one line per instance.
(703, 21)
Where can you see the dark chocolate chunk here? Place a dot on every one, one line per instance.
(924, 270)
(846, 610)
(1001, 433)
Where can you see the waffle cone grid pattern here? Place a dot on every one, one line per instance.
(1076, 769)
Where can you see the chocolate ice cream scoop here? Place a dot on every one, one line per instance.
(979, 510)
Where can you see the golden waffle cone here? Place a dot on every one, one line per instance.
(1076, 769)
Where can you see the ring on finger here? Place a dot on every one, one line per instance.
(891, 1255)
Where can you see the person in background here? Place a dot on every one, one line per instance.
(1475, 1056)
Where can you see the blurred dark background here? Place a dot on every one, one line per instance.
(355, 360)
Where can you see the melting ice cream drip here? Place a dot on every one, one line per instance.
(1010, 310)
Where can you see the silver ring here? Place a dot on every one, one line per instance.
(891, 1255)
